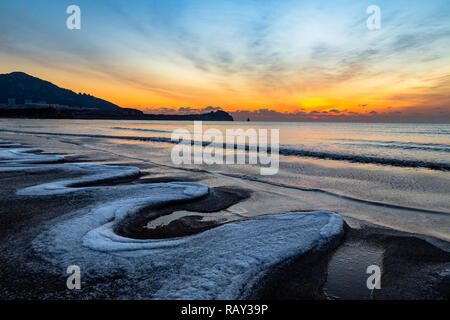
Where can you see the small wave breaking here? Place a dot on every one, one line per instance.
(285, 151)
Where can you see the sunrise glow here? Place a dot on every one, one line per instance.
(298, 59)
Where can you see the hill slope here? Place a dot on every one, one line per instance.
(22, 86)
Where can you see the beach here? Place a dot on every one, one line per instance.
(141, 227)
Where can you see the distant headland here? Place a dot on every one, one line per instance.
(25, 96)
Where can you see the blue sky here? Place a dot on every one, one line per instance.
(288, 56)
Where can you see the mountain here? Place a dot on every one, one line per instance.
(22, 86)
(50, 101)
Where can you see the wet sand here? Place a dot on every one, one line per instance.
(414, 266)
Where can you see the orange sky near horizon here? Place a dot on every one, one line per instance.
(375, 95)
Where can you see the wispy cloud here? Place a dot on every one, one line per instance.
(239, 54)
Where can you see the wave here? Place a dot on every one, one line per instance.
(398, 144)
(140, 130)
(433, 132)
(400, 147)
(333, 194)
(407, 163)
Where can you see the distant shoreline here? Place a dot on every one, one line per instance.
(94, 114)
(25, 96)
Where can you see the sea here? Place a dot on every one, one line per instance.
(392, 175)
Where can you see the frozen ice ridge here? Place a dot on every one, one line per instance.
(225, 262)
(25, 155)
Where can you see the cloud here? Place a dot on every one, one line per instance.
(410, 114)
(230, 53)
(351, 116)
(180, 110)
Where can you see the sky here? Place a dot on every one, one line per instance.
(289, 60)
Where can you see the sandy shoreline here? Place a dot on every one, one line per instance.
(414, 267)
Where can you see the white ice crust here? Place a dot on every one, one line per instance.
(26, 155)
(225, 262)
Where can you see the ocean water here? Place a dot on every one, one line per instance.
(403, 145)
(395, 175)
